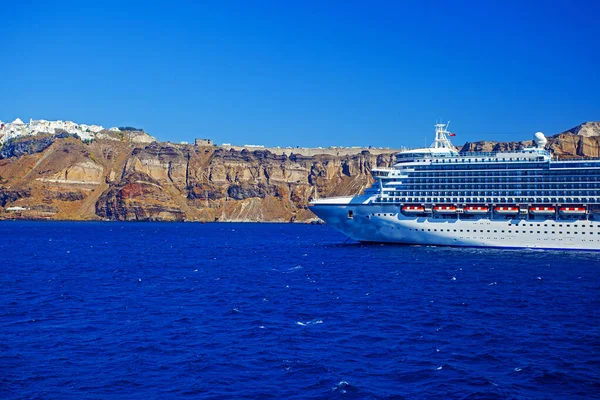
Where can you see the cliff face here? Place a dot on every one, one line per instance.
(199, 183)
(113, 180)
(580, 141)
(66, 178)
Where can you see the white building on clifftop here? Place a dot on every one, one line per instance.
(17, 128)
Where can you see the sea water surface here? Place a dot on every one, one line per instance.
(287, 311)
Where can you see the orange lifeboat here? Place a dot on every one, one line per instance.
(444, 209)
(542, 210)
(506, 210)
(413, 209)
(572, 210)
(476, 209)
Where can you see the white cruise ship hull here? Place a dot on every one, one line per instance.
(510, 199)
(387, 224)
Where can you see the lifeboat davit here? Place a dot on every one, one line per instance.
(542, 210)
(506, 210)
(476, 209)
(573, 210)
(413, 209)
(444, 209)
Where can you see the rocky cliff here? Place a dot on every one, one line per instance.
(580, 141)
(120, 180)
(67, 178)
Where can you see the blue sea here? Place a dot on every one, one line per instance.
(287, 311)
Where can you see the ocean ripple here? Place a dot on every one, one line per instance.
(220, 311)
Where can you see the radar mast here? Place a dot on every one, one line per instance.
(441, 138)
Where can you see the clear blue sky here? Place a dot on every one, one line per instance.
(309, 73)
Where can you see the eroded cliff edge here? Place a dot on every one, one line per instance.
(65, 178)
(112, 180)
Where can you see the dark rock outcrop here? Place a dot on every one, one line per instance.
(26, 145)
(9, 196)
(30, 144)
(66, 195)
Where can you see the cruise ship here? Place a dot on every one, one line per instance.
(509, 199)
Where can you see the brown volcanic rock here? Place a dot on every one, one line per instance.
(138, 197)
(569, 145)
(580, 141)
(587, 129)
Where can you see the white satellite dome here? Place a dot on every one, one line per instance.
(540, 140)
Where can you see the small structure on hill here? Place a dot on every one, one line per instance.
(204, 142)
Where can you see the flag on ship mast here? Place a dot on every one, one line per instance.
(451, 134)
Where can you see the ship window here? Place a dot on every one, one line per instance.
(350, 214)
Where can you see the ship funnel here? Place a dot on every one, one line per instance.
(540, 140)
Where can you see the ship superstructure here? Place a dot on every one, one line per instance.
(438, 196)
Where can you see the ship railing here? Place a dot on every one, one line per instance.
(474, 159)
(579, 159)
